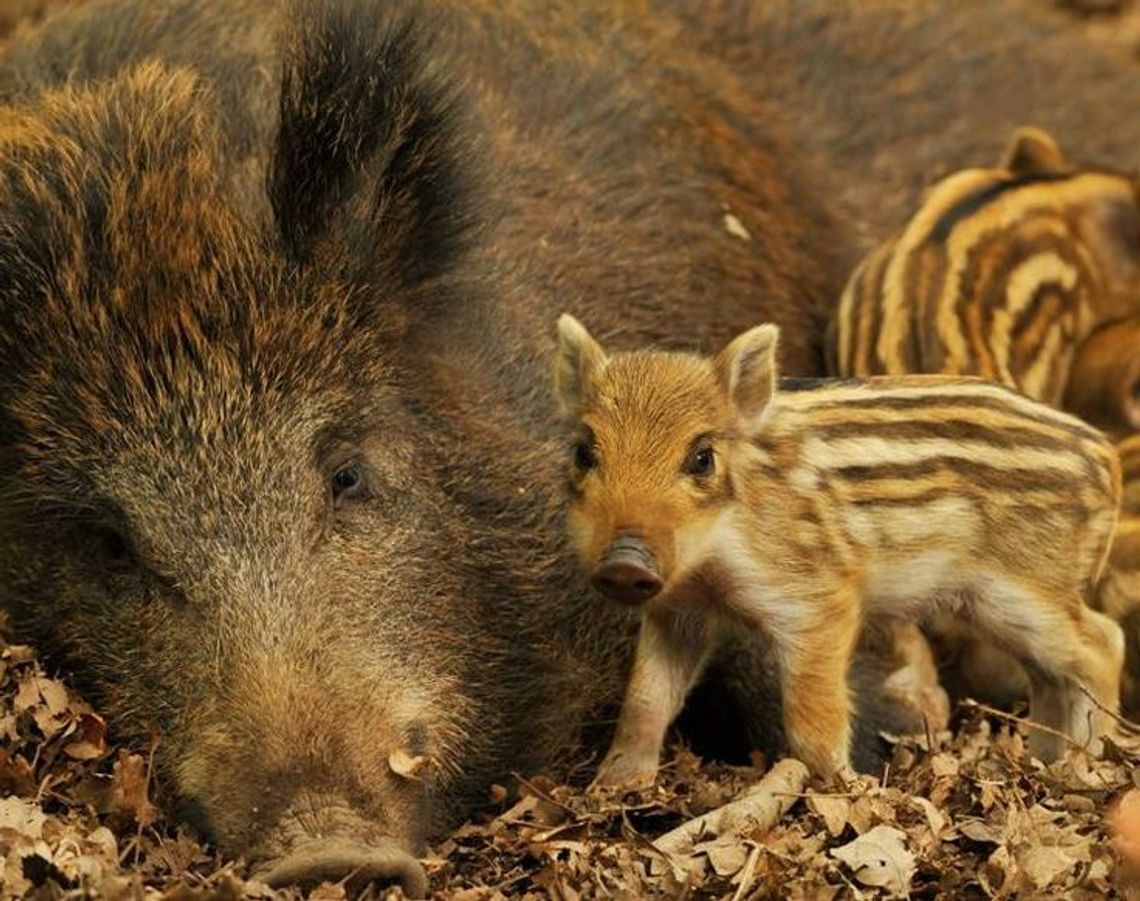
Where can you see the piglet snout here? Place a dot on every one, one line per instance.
(628, 571)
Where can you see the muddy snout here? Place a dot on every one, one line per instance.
(628, 572)
(358, 866)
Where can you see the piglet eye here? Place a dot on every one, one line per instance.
(584, 457)
(347, 484)
(701, 462)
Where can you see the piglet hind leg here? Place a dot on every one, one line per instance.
(1074, 657)
(1100, 667)
(672, 649)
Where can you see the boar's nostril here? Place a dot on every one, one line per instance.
(623, 577)
(358, 866)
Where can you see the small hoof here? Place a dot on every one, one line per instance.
(620, 774)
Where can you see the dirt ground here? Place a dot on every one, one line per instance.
(954, 815)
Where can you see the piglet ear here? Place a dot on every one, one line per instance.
(747, 371)
(578, 359)
(1033, 151)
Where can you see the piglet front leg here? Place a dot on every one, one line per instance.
(816, 643)
(671, 651)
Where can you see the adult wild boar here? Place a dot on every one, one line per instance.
(280, 473)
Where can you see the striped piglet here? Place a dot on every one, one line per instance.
(705, 491)
(1001, 273)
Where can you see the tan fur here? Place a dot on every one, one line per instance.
(1118, 594)
(1018, 274)
(900, 497)
(914, 682)
(1000, 273)
(1104, 381)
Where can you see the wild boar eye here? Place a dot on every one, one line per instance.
(114, 548)
(701, 462)
(584, 456)
(348, 484)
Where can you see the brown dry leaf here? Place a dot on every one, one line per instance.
(89, 739)
(978, 813)
(46, 701)
(327, 891)
(18, 654)
(21, 837)
(944, 764)
(934, 817)
(726, 855)
(128, 794)
(405, 765)
(21, 820)
(91, 859)
(869, 809)
(879, 858)
(999, 874)
(16, 774)
(833, 810)
(983, 831)
(1044, 863)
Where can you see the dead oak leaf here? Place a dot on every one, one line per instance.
(88, 741)
(128, 792)
(1043, 864)
(25, 819)
(879, 858)
(983, 831)
(46, 700)
(18, 654)
(726, 855)
(833, 810)
(16, 775)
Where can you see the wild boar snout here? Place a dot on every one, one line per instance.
(628, 571)
(359, 866)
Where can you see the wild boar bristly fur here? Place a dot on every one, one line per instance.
(183, 385)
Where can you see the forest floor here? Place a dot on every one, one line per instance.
(954, 815)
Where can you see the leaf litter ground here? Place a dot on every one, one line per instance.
(959, 815)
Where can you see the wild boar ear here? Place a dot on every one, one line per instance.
(369, 174)
(578, 359)
(747, 370)
(1033, 151)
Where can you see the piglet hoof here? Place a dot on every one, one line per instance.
(838, 777)
(622, 772)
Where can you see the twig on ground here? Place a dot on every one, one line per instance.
(759, 807)
(1121, 720)
(747, 874)
(543, 795)
(1021, 720)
